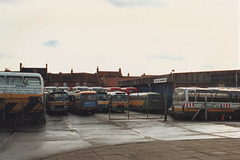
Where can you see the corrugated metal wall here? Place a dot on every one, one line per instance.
(162, 88)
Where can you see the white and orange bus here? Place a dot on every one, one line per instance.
(118, 101)
(83, 102)
(220, 103)
(57, 101)
(102, 98)
(78, 89)
(21, 97)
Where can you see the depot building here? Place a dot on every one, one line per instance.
(165, 84)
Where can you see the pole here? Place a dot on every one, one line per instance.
(109, 115)
(236, 79)
(128, 107)
(205, 107)
(165, 107)
(4, 114)
(147, 109)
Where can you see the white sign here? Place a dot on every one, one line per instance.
(14, 89)
(160, 80)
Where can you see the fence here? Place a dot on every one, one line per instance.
(19, 111)
(148, 113)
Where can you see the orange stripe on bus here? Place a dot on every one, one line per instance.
(20, 95)
(209, 109)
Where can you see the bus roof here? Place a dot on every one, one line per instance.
(50, 87)
(144, 94)
(20, 74)
(117, 93)
(97, 89)
(86, 92)
(210, 88)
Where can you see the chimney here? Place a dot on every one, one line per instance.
(120, 70)
(47, 68)
(20, 67)
(128, 75)
(97, 69)
(71, 71)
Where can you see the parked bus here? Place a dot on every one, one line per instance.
(79, 89)
(84, 102)
(96, 89)
(118, 101)
(219, 102)
(130, 90)
(49, 88)
(57, 101)
(146, 101)
(21, 98)
(102, 98)
(113, 89)
(63, 88)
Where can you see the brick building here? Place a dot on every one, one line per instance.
(100, 78)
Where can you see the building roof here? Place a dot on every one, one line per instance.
(109, 73)
(72, 77)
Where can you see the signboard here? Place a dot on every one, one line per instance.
(89, 104)
(160, 80)
(20, 89)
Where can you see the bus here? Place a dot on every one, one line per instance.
(63, 88)
(118, 101)
(21, 98)
(84, 102)
(79, 89)
(96, 89)
(220, 103)
(57, 101)
(113, 89)
(146, 102)
(102, 98)
(130, 90)
(49, 88)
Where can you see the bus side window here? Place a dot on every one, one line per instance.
(238, 97)
(235, 96)
(32, 81)
(202, 94)
(191, 95)
(180, 95)
(14, 80)
(221, 97)
(2, 80)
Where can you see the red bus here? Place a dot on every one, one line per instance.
(130, 90)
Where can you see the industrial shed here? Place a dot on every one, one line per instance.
(165, 84)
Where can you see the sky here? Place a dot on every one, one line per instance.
(139, 36)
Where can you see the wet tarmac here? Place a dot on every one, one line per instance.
(63, 134)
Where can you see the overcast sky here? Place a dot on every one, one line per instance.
(138, 36)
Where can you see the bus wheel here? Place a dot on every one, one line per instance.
(236, 115)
